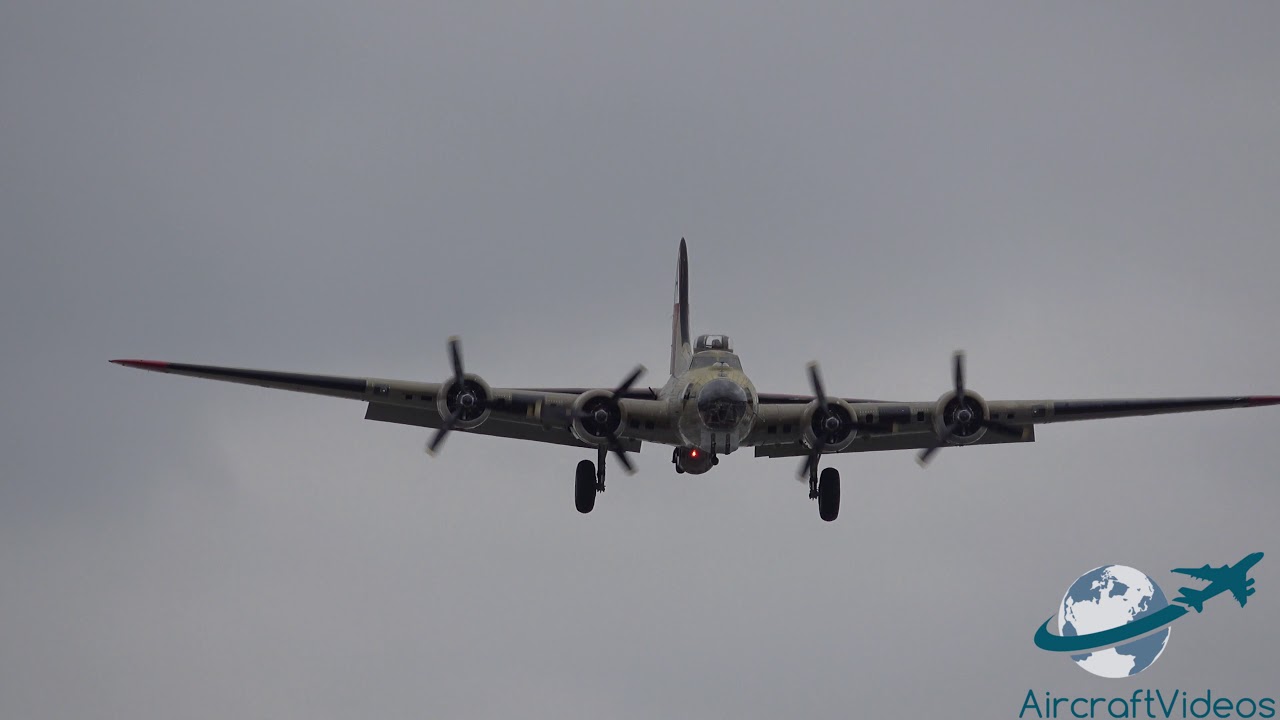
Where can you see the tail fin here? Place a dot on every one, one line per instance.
(681, 348)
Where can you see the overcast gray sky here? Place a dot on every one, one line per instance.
(1083, 196)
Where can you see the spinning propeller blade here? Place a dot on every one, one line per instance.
(614, 444)
(810, 465)
(957, 376)
(455, 357)
(459, 377)
(433, 444)
(957, 363)
(630, 380)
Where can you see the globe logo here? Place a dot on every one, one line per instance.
(1110, 597)
(1114, 620)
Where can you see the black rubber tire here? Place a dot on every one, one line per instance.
(584, 487)
(829, 494)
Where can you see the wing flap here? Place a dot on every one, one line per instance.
(896, 441)
(494, 426)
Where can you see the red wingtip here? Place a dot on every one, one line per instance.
(1259, 400)
(143, 364)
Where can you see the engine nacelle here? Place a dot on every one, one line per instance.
(597, 414)
(967, 417)
(838, 424)
(472, 398)
(692, 460)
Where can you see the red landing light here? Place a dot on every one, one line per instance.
(693, 453)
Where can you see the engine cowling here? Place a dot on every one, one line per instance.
(471, 396)
(838, 425)
(597, 415)
(966, 417)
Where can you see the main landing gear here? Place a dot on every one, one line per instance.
(826, 490)
(589, 480)
(585, 487)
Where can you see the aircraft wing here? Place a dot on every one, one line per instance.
(1049, 411)
(1240, 595)
(537, 415)
(1206, 573)
(907, 425)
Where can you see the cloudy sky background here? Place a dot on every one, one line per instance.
(1084, 198)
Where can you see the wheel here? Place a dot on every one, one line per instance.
(584, 487)
(829, 494)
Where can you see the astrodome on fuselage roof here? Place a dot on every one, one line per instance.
(709, 350)
(713, 342)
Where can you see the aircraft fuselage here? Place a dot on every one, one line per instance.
(714, 403)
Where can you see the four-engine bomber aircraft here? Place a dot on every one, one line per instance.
(706, 409)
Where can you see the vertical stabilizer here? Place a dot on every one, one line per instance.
(681, 349)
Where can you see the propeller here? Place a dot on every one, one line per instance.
(606, 414)
(826, 424)
(470, 402)
(967, 416)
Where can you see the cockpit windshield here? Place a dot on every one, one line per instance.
(706, 360)
(713, 342)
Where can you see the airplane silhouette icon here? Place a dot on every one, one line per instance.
(1233, 579)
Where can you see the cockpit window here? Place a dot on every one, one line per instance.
(709, 359)
(713, 342)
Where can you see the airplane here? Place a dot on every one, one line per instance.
(707, 408)
(1234, 579)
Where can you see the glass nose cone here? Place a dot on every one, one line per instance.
(721, 404)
